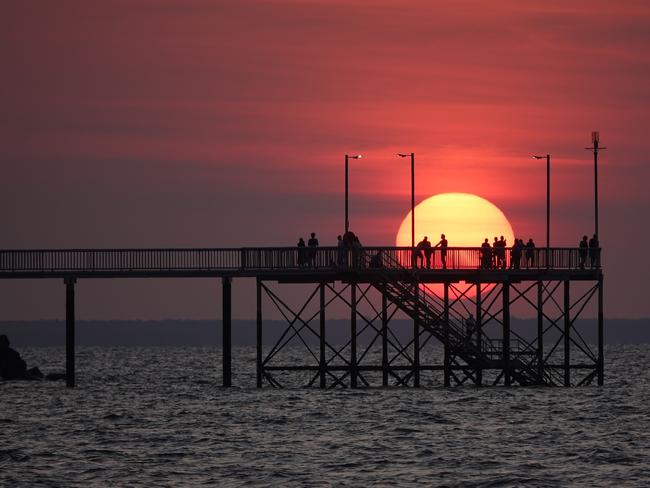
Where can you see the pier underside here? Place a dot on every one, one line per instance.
(436, 344)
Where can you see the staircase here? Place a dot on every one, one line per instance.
(401, 288)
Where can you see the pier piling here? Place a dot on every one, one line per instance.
(227, 330)
(69, 332)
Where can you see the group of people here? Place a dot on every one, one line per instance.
(589, 248)
(307, 254)
(494, 256)
(424, 251)
(348, 244)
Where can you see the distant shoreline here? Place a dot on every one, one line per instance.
(182, 332)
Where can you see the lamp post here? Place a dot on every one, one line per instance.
(548, 205)
(347, 222)
(412, 195)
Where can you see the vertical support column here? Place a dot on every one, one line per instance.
(540, 331)
(416, 338)
(567, 336)
(446, 351)
(69, 332)
(226, 323)
(506, 333)
(260, 364)
(601, 356)
(322, 361)
(479, 332)
(384, 340)
(353, 335)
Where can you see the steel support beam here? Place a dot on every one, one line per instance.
(567, 334)
(540, 330)
(384, 340)
(321, 358)
(505, 292)
(70, 332)
(601, 356)
(479, 331)
(260, 364)
(446, 351)
(353, 335)
(416, 339)
(226, 323)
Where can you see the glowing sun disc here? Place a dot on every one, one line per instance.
(465, 219)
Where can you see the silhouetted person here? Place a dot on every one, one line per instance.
(443, 250)
(470, 325)
(583, 249)
(417, 253)
(357, 252)
(348, 239)
(341, 252)
(501, 256)
(376, 261)
(426, 249)
(12, 366)
(515, 253)
(301, 252)
(486, 254)
(312, 243)
(594, 251)
(495, 251)
(530, 253)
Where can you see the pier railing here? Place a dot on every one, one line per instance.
(289, 258)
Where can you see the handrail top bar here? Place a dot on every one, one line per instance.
(271, 248)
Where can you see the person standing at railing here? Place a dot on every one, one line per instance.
(500, 252)
(426, 249)
(486, 254)
(341, 252)
(376, 261)
(594, 251)
(357, 252)
(582, 251)
(313, 244)
(515, 254)
(418, 260)
(301, 252)
(443, 250)
(530, 253)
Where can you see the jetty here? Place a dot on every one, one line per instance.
(463, 308)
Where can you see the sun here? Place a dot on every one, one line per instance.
(465, 219)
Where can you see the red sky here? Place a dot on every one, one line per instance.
(202, 123)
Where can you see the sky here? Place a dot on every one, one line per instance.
(176, 123)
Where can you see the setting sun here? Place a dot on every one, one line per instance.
(465, 219)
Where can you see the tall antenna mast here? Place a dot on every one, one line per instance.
(595, 139)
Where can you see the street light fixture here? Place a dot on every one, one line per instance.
(347, 222)
(412, 155)
(548, 205)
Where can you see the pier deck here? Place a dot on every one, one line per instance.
(399, 277)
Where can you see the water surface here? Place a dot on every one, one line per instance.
(157, 417)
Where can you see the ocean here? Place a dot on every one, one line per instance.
(156, 416)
